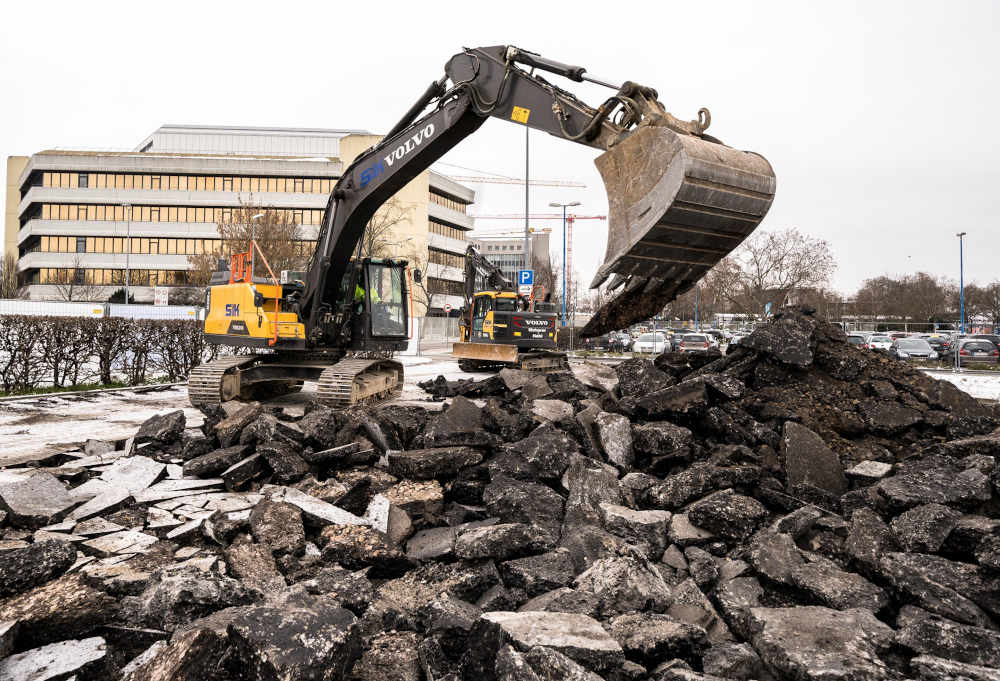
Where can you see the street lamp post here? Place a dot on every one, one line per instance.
(564, 206)
(253, 239)
(696, 327)
(961, 282)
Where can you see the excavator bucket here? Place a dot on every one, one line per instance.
(678, 204)
(485, 352)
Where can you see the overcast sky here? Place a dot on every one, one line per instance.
(879, 118)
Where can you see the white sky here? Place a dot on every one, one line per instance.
(878, 118)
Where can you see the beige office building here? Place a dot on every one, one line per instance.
(88, 217)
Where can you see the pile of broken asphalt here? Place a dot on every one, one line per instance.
(796, 509)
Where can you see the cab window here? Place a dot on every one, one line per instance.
(506, 305)
(385, 296)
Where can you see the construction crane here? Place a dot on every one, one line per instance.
(537, 216)
(498, 179)
(485, 177)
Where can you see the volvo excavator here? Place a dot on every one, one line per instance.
(679, 201)
(500, 328)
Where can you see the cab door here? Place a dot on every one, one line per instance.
(480, 309)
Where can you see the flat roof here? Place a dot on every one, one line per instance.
(257, 130)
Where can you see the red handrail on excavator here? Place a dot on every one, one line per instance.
(241, 269)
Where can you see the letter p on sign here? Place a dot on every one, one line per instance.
(526, 277)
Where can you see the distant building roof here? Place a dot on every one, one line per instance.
(244, 140)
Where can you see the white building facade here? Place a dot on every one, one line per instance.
(88, 217)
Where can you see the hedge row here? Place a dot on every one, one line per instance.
(65, 351)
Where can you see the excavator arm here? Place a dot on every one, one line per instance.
(679, 199)
(477, 265)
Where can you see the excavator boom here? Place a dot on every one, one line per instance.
(679, 199)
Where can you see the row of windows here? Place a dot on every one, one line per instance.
(446, 230)
(67, 211)
(447, 202)
(445, 258)
(504, 247)
(141, 245)
(200, 183)
(445, 286)
(108, 277)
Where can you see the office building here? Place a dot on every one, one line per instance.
(87, 217)
(507, 251)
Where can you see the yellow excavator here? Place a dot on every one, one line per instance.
(500, 328)
(679, 201)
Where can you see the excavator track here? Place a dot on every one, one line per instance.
(353, 381)
(208, 382)
(543, 362)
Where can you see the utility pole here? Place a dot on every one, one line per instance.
(961, 281)
(696, 307)
(527, 235)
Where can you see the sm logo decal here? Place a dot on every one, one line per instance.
(232, 310)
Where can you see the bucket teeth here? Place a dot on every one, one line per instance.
(678, 205)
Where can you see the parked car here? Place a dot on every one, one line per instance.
(675, 339)
(991, 337)
(879, 342)
(651, 342)
(981, 350)
(858, 340)
(598, 343)
(715, 337)
(694, 341)
(735, 340)
(912, 348)
(941, 344)
(620, 342)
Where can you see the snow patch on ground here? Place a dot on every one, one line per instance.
(36, 428)
(980, 386)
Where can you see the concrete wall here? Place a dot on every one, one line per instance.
(15, 166)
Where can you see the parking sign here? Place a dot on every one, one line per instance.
(526, 277)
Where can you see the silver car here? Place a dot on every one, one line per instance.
(912, 348)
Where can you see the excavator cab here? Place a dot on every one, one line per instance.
(385, 286)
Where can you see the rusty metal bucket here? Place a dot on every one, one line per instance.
(678, 205)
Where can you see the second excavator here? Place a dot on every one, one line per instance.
(499, 327)
(679, 201)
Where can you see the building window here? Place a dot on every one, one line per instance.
(445, 286)
(447, 201)
(81, 244)
(436, 227)
(82, 180)
(444, 258)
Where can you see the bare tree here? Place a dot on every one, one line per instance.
(991, 302)
(422, 295)
(73, 284)
(276, 232)
(976, 300)
(377, 241)
(770, 265)
(545, 274)
(8, 277)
